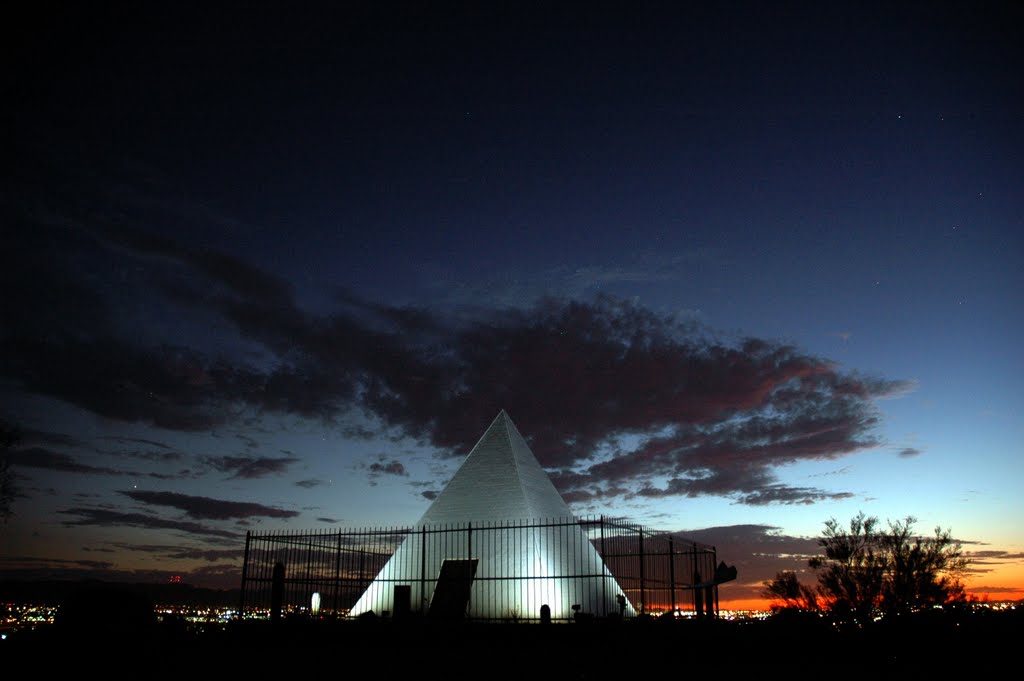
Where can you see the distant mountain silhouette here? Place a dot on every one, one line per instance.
(55, 592)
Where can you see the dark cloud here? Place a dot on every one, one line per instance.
(249, 442)
(225, 576)
(997, 589)
(250, 467)
(109, 518)
(992, 556)
(392, 467)
(157, 457)
(310, 483)
(908, 452)
(142, 449)
(45, 282)
(205, 508)
(359, 433)
(27, 492)
(332, 521)
(218, 576)
(43, 563)
(163, 386)
(37, 457)
(136, 441)
(232, 274)
(429, 494)
(172, 552)
(782, 494)
(713, 417)
(46, 458)
(49, 438)
(183, 474)
(576, 374)
(762, 492)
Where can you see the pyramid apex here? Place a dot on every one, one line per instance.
(500, 479)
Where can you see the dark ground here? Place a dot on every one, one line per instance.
(129, 642)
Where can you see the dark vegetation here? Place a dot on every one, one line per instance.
(866, 572)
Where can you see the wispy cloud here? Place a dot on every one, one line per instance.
(250, 467)
(49, 438)
(310, 483)
(175, 552)
(983, 588)
(37, 457)
(136, 441)
(393, 467)
(43, 563)
(109, 518)
(205, 508)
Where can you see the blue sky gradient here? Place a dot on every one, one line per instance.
(731, 270)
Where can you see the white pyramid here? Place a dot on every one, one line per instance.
(539, 556)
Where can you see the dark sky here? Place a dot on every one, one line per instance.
(733, 268)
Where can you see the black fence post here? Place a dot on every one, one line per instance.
(643, 583)
(336, 603)
(245, 575)
(604, 579)
(277, 592)
(469, 557)
(423, 568)
(714, 563)
(672, 573)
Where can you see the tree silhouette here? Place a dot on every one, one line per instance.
(920, 571)
(852, 569)
(787, 588)
(864, 570)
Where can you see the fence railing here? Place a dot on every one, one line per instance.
(578, 567)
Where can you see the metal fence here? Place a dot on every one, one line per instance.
(503, 571)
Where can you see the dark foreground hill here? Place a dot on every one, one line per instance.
(929, 646)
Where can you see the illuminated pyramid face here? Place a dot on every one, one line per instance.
(500, 480)
(501, 513)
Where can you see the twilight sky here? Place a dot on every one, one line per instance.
(732, 271)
